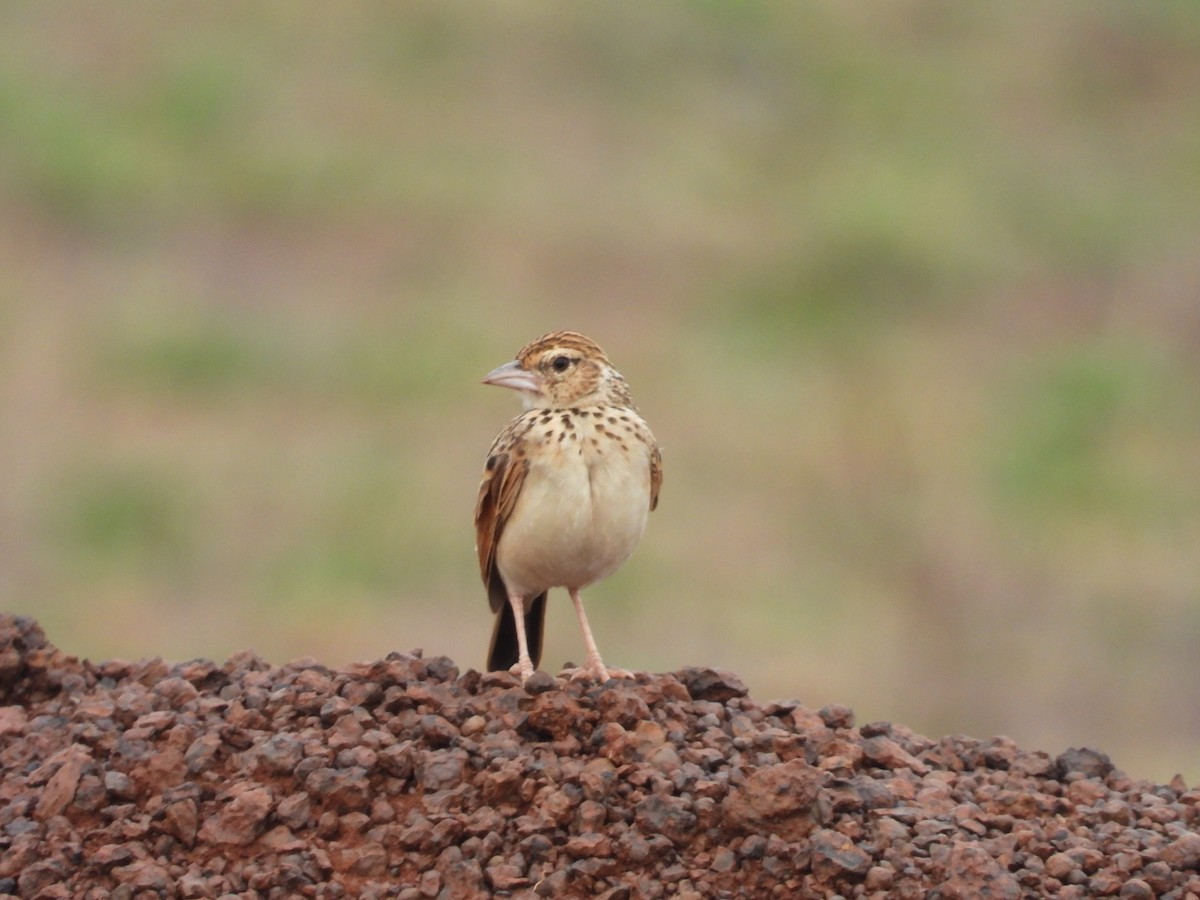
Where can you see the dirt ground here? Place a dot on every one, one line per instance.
(408, 778)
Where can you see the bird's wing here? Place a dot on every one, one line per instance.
(655, 475)
(503, 475)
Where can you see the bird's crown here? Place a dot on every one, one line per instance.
(562, 341)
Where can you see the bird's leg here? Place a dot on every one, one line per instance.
(524, 666)
(595, 665)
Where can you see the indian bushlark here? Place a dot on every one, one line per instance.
(566, 491)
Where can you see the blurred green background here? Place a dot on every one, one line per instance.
(909, 292)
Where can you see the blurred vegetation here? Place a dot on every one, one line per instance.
(910, 293)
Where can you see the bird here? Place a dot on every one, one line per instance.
(566, 491)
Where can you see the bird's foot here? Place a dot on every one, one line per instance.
(623, 674)
(523, 668)
(596, 671)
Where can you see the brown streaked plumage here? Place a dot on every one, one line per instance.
(566, 491)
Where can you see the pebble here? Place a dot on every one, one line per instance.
(406, 778)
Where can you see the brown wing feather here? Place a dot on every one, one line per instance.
(655, 475)
(502, 480)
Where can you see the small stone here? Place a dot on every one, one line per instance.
(540, 682)
(342, 790)
(192, 886)
(294, 810)
(780, 799)
(1159, 876)
(242, 817)
(718, 685)
(835, 855)
(144, 875)
(555, 714)
(885, 752)
(971, 872)
(667, 816)
(753, 847)
(111, 855)
(835, 716)
(625, 709)
(879, 878)
(473, 726)
(1136, 889)
(440, 770)
(120, 785)
(589, 845)
(181, 820)
(201, 752)
(12, 720)
(461, 877)
(36, 878)
(1183, 853)
(60, 789)
(437, 731)
(397, 760)
(1060, 866)
(280, 753)
(1105, 883)
(724, 860)
(365, 859)
(430, 883)
(281, 839)
(504, 877)
(1085, 762)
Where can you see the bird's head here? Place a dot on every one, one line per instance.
(560, 370)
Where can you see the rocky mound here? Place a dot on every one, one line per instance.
(406, 778)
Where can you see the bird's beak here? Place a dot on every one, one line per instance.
(511, 375)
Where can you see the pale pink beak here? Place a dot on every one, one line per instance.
(511, 375)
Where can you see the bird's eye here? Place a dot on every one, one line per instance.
(561, 363)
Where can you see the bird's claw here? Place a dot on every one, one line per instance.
(594, 671)
(522, 669)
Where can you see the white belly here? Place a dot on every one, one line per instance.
(578, 518)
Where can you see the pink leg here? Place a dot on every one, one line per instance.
(595, 664)
(524, 664)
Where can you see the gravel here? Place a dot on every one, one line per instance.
(408, 778)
